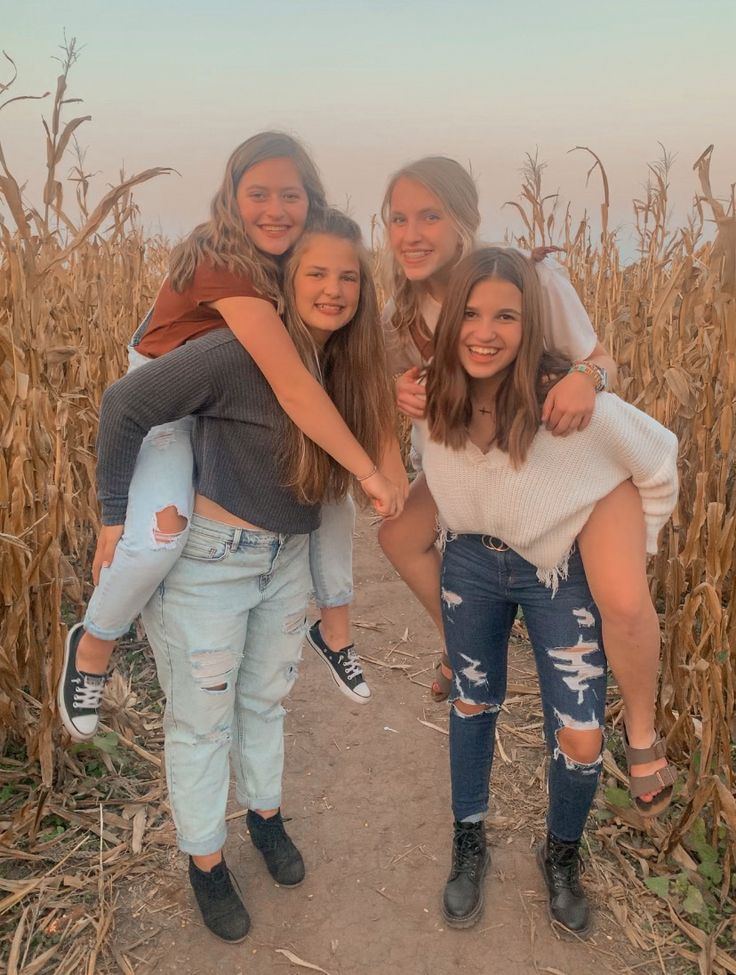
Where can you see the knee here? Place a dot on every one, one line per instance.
(625, 606)
(466, 709)
(583, 747)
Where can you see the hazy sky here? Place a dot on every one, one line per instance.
(371, 85)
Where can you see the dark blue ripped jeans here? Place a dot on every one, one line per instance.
(482, 588)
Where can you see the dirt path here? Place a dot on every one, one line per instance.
(367, 791)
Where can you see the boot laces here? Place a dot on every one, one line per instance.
(565, 865)
(468, 850)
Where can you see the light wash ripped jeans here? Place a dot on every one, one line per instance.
(144, 555)
(226, 627)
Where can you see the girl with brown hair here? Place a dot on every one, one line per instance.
(227, 625)
(227, 272)
(431, 214)
(513, 499)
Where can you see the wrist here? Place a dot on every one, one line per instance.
(368, 476)
(595, 373)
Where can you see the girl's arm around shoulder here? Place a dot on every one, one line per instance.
(259, 329)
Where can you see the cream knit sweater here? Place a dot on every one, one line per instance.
(540, 509)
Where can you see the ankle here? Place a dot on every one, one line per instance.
(93, 655)
(207, 862)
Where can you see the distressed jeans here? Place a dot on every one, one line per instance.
(482, 588)
(163, 477)
(226, 627)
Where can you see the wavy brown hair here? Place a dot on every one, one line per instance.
(351, 366)
(457, 192)
(522, 390)
(222, 239)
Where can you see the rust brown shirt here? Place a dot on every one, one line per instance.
(179, 317)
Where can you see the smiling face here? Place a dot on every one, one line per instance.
(327, 285)
(422, 235)
(273, 204)
(490, 335)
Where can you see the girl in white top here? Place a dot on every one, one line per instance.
(513, 498)
(431, 213)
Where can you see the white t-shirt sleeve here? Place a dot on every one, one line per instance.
(569, 331)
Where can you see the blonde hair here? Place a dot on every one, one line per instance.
(455, 188)
(222, 239)
(523, 389)
(351, 366)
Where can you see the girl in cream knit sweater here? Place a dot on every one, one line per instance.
(513, 499)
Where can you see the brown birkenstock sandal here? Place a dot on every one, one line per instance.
(663, 779)
(442, 684)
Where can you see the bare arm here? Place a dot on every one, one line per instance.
(570, 403)
(259, 329)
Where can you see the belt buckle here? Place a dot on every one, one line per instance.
(494, 544)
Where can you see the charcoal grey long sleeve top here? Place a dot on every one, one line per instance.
(237, 418)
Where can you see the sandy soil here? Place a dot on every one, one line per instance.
(367, 791)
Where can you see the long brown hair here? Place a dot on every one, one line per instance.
(351, 366)
(522, 390)
(453, 185)
(222, 239)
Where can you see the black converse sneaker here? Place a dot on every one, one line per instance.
(560, 866)
(343, 665)
(462, 899)
(222, 909)
(79, 694)
(284, 861)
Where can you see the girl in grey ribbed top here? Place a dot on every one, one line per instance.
(227, 623)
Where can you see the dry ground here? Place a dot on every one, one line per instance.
(367, 791)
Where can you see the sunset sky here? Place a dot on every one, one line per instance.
(371, 85)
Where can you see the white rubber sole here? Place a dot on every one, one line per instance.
(346, 690)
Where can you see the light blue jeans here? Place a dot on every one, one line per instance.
(144, 555)
(226, 627)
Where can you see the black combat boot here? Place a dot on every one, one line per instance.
(560, 866)
(462, 901)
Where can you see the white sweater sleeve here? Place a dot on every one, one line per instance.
(569, 331)
(648, 451)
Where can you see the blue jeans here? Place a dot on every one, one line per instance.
(226, 627)
(482, 588)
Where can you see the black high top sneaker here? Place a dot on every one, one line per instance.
(560, 866)
(282, 858)
(220, 904)
(462, 901)
(78, 694)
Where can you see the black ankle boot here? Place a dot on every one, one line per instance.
(223, 912)
(462, 901)
(282, 858)
(560, 866)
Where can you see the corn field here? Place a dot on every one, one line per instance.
(74, 281)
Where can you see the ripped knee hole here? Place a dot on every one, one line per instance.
(582, 746)
(466, 709)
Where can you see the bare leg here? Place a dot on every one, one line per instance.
(612, 546)
(335, 627)
(409, 544)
